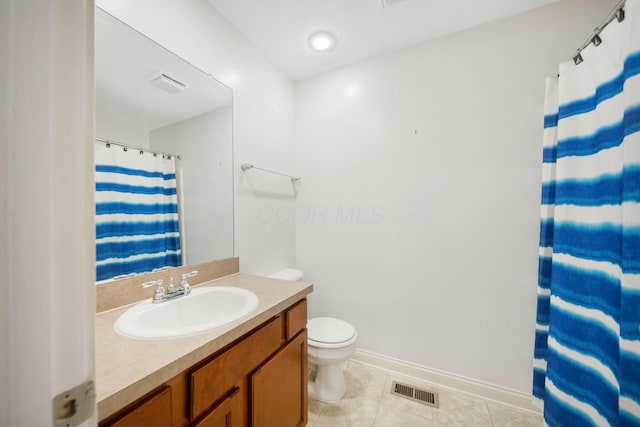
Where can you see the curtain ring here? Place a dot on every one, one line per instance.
(578, 59)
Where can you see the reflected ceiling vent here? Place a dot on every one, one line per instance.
(387, 3)
(168, 83)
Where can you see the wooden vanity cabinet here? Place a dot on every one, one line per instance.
(259, 380)
(151, 410)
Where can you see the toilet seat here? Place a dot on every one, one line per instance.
(327, 332)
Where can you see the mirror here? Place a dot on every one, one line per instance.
(150, 101)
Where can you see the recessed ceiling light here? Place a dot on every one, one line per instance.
(322, 41)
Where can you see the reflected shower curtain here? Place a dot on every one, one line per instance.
(137, 225)
(587, 345)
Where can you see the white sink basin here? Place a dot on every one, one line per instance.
(200, 311)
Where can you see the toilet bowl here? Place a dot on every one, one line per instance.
(330, 342)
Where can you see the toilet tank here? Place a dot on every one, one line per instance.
(290, 274)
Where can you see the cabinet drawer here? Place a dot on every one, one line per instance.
(296, 319)
(212, 380)
(154, 411)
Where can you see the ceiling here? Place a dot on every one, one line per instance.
(363, 28)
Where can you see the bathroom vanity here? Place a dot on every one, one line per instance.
(250, 373)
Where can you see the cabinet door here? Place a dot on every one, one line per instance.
(154, 411)
(279, 387)
(226, 414)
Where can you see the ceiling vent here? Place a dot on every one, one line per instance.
(168, 84)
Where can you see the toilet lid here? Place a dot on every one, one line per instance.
(329, 330)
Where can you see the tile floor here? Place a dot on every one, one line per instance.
(368, 402)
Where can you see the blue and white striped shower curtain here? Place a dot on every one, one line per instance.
(137, 226)
(587, 344)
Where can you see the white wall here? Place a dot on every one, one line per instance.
(46, 214)
(116, 132)
(205, 182)
(262, 115)
(5, 294)
(417, 219)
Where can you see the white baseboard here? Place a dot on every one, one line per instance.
(502, 395)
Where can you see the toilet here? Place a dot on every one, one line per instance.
(330, 342)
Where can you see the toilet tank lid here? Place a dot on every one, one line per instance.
(290, 274)
(329, 330)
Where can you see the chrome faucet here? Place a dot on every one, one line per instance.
(159, 294)
(172, 292)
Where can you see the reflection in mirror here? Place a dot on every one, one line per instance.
(163, 150)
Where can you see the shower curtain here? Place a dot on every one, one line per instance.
(137, 224)
(587, 343)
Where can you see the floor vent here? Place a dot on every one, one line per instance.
(426, 397)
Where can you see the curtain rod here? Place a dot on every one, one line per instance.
(616, 13)
(140, 149)
(247, 166)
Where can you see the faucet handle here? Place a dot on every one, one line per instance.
(184, 284)
(152, 283)
(159, 293)
(191, 274)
